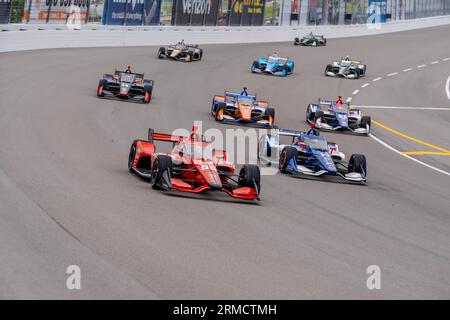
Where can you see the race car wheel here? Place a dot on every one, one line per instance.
(100, 91)
(150, 135)
(162, 173)
(366, 121)
(131, 157)
(285, 71)
(200, 54)
(318, 115)
(296, 41)
(286, 155)
(269, 114)
(357, 163)
(249, 176)
(161, 53)
(188, 57)
(220, 111)
(328, 69)
(356, 73)
(255, 66)
(147, 95)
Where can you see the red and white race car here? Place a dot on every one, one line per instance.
(192, 166)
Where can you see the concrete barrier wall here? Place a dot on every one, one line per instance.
(31, 37)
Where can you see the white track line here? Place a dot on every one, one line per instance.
(355, 92)
(403, 108)
(365, 85)
(392, 74)
(407, 156)
(446, 59)
(435, 62)
(377, 79)
(421, 66)
(447, 87)
(407, 70)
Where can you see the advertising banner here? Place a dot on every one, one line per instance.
(54, 11)
(5, 11)
(196, 12)
(247, 12)
(131, 12)
(377, 11)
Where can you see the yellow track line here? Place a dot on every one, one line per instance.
(413, 153)
(410, 138)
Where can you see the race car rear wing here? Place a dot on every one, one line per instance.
(171, 138)
(289, 133)
(237, 95)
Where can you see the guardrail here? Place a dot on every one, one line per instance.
(29, 37)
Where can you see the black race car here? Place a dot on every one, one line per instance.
(181, 52)
(126, 84)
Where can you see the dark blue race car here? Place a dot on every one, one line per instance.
(310, 154)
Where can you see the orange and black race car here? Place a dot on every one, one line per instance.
(242, 108)
(192, 166)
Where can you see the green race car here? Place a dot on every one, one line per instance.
(311, 40)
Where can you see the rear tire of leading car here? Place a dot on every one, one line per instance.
(286, 155)
(250, 176)
(162, 173)
(147, 94)
(318, 115)
(328, 69)
(357, 163)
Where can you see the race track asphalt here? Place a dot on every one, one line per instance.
(67, 198)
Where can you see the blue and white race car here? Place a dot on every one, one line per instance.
(242, 108)
(337, 115)
(274, 64)
(310, 154)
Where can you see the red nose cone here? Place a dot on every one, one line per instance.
(312, 125)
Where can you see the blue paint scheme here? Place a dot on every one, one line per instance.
(273, 66)
(313, 155)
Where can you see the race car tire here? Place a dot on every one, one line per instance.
(287, 153)
(131, 156)
(309, 114)
(100, 90)
(148, 94)
(318, 115)
(357, 73)
(162, 170)
(357, 163)
(200, 56)
(285, 71)
(220, 111)
(328, 69)
(366, 121)
(296, 41)
(269, 114)
(151, 131)
(255, 66)
(189, 56)
(161, 53)
(249, 176)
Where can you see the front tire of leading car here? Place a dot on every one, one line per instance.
(250, 176)
(162, 173)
